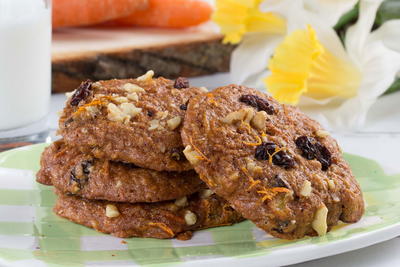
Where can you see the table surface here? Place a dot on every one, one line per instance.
(379, 139)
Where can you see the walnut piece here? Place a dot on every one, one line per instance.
(174, 122)
(154, 124)
(190, 217)
(122, 113)
(191, 155)
(259, 120)
(112, 211)
(319, 224)
(322, 133)
(181, 202)
(205, 193)
(244, 114)
(133, 96)
(133, 88)
(306, 189)
(146, 77)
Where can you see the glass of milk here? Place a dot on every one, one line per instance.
(25, 69)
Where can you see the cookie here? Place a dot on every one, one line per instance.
(272, 163)
(134, 120)
(72, 172)
(157, 220)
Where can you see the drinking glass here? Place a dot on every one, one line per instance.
(25, 71)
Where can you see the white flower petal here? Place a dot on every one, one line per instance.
(357, 35)
(389, 33)
(329, 10)
(379, 68)
(251, 57)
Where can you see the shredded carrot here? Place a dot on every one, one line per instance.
(277, 150)
(211, 99)
(208, 181)
(163, 227)
(280, 190)
(248, 127)
(203, 157)
(259, 142)
(251, 180)
(254, 184)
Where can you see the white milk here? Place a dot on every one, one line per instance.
(25, 67)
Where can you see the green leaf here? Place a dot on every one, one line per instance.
(394, 87)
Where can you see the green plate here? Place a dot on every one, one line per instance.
(31, 235)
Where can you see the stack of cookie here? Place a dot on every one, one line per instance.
(137, 141)
(119, 167)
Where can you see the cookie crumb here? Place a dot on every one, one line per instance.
(319, 224)
(112, 211)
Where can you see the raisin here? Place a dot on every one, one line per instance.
(81, 93)
(307, 147)
(264, 150)
(282, 225)
(257, 102)
(82, 176)
(312, 149)
(183, 107)
(177, 154)
(323, 156)
(150, 113)
(282, 159)
(181, 83)
(278, 181)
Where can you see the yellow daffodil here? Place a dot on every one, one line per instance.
(301, 65)
(309, 66)
(238, 17)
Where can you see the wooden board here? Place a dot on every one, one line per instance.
(106, 53)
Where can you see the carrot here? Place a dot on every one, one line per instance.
(169, 14)
(88, 12)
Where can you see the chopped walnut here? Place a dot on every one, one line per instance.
(114, 113)
(133, 96)
(181, 202)
(244, 114)
(320, 224)
(118, 184)
(191, 155)
(331, 184)
(132, 88)
(190, 217)
(174, 122)
(259, 120)
(146, 77)
(162, 114)
(112, 211)
(203, 89)
(205, 193)
(92, 111)
(154, 124)
(306, 189)
(130, 109)
(121, 99)
(123, 112)
(322, 133)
